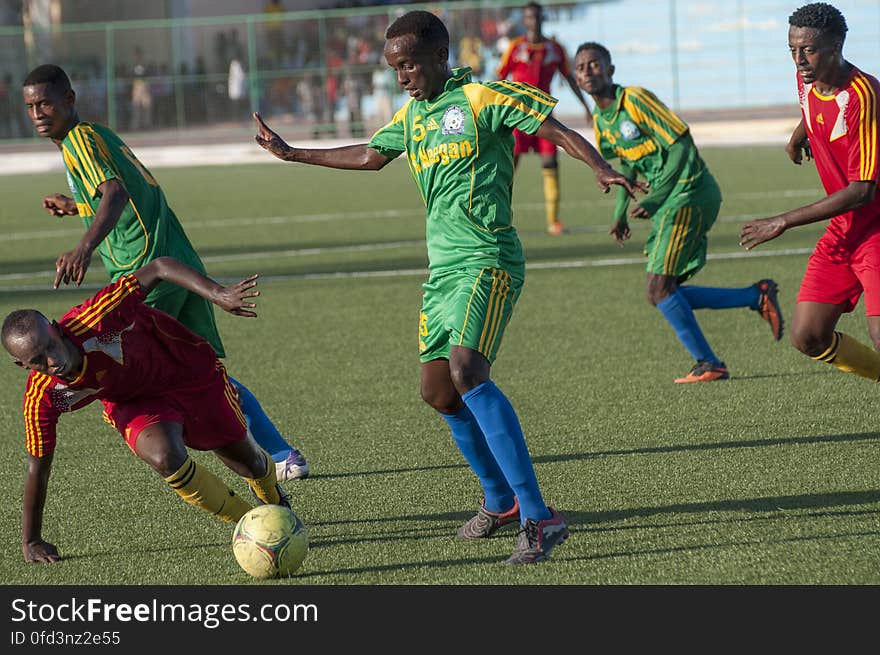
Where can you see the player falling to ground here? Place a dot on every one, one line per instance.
(534, 59)
(128, 221)
(162, 386)
(839, 131)
(650, 140)
(475, 257)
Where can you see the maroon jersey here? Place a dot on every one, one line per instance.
(534, 63)
(130, 352)
(843, 133)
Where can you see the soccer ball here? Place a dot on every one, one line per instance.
(270, 541)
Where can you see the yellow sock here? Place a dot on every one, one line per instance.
(551, 194)
(199, 487)
(265, 487)
(850, 356)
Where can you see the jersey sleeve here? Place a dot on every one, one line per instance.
(111, 308)
(652, 116)
(390, 140)
(40, 415)
(86, 154)
(505, 104)
(503, 69)
(861, 125)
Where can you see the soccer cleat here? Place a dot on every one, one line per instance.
(284, 499)
(705, 371)
(536, 539)
(768, 306)
(485, 523)
(293, 467)
(556, 228)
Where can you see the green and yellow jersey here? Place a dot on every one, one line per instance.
(651, 140)
(147, 227)
(459, 147)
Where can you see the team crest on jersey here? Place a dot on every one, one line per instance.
(629, 131)
(453, 120)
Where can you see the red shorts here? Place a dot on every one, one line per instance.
(524, 143)
(836, 277)
(211, 416)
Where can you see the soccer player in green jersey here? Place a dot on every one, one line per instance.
(457, 137)
(128, 221)
(650, 140)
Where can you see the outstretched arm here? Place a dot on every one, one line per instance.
(233, 298)
(853, 196)
(58, 204)
(579, 148)
(72, 266)
(358, 157)
(36, 485)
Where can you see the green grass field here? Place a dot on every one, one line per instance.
(770, 478)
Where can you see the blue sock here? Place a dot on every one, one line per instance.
(500, 425)
(497, 494)
(720, 298)
(264, 431)
(678, 313)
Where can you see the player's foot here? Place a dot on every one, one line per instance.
(283, 498)
(292, 468)
(705, 371)
(485, 523)
(536, 539)
(768, 306)
(556, 228)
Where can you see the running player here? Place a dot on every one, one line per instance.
(457, 137)
(633, 125)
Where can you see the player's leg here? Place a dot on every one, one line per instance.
(480, 308)
(251, 462)
(437, 390)
(161, 446)
(676, 250)
(550, 174)
(828, 290)
(197, 314)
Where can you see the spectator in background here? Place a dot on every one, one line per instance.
(274, 30)
(236, 85)
(141, 94)
(535, 59)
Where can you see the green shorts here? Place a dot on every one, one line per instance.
(469, 308)
(189, 308)
(677, 244)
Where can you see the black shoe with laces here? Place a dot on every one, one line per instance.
(536, 539)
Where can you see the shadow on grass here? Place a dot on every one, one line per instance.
(719, 445)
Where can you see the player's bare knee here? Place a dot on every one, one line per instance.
(165, 463)
(809, 342)
(443, 399)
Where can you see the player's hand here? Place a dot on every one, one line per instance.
(757, 232)
(269, 140)
(639, 212)
(799, 150)
(620, 232)
(234, 298)
(72, 266)
(39, 551)
(58, 204)
(607, 176)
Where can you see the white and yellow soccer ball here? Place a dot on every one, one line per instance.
(270, 541)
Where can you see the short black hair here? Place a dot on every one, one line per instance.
(48, 74)
(18, 324)
(535, 5)
(424, 25)
(820, 16)
(598, 47)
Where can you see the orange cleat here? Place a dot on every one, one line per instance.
(705, 372)
(556, 228)
(768, 306)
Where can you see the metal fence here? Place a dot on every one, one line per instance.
(325, 71)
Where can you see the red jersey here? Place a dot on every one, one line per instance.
(130, 351)
(534, 63)
(843, 133)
